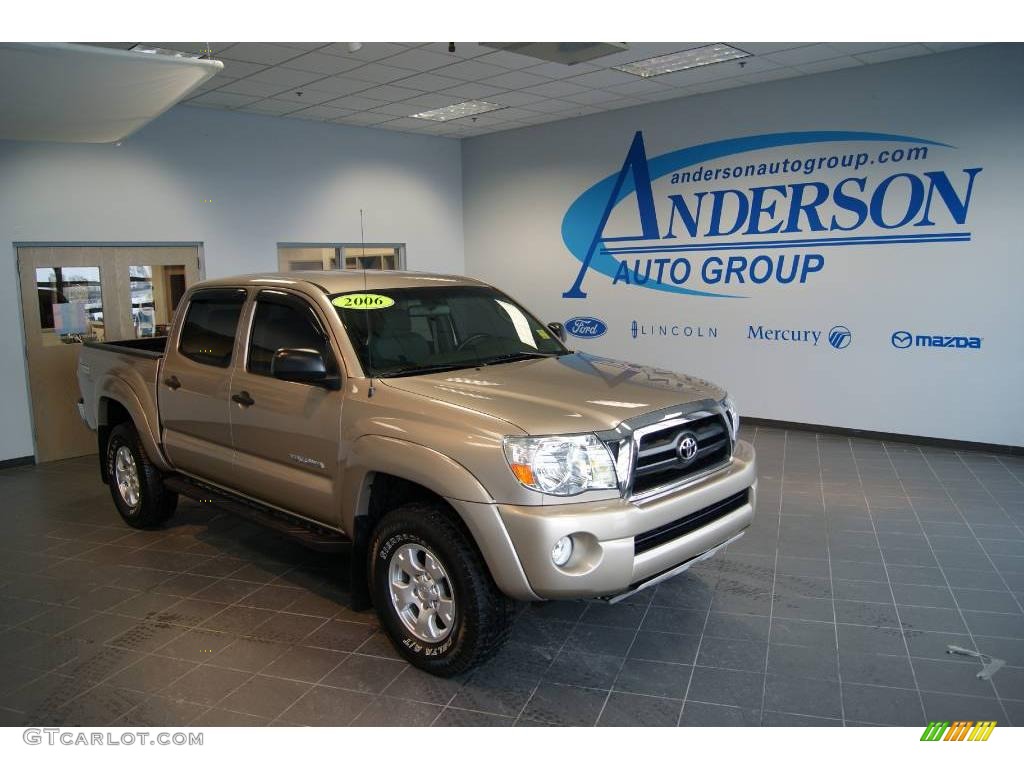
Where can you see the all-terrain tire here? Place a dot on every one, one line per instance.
(135, 484)
(482, 614)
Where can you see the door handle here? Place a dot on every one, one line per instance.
(243, 398)
(172, 382)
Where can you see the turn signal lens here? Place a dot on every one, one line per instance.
(524, 474)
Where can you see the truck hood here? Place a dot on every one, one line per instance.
(572, 393)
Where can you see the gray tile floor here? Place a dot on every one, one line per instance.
(866, 560)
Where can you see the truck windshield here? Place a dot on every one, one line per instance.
(406, 331)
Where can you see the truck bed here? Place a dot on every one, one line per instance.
(133, 365)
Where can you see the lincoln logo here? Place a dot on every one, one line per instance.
(688, 447)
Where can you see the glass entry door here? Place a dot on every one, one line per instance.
(74, 294)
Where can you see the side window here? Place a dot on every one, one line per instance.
(284, 322)
(208, 332)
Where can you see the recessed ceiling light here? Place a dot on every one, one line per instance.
(165, 52)
(675, 62)
(455, 111)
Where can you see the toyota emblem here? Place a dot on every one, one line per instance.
(688, 447)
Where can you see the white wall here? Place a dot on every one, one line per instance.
(519, 185)
(271, 180)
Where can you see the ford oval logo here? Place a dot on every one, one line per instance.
(585, 327)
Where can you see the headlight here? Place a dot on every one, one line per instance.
(561, 465)
(732, 415)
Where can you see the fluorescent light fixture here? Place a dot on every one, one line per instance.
(455, 111)
(675, 62)
(165, 52)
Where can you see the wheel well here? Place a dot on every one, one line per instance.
(111, 413)
(385, 492)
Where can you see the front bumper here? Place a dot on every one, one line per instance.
(605, 562)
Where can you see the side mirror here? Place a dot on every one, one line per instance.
(305, 366)
(558, 329)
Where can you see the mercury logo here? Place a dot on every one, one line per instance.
(840, 337)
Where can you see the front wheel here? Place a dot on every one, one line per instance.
(433, 592)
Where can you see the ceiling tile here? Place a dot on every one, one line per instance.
(551, 105)
(852, 49)
(593, 97)
(773, 74)
(303, 46)
(286, 78)
(252, 88)
(355, 103)
(472, 91)
(303, 95)
(432, 101)
(271, 107)
(261, 53)
(363, 118)
(398, 109)
(420, 60)
(403, 124)
(509, 60)
(390, 93)
(217, 81)
(889, 54)
(221, 99)
(321, 113)
(762, 48)
(638, 87)
(323, 63)
(515, 98)
(189, 47)
(939, 47)
(555, 71)
(556, 89)
(234, 68)
(428, 82)
(470, 70)
(805, 55)
(514, 80)
(379, 73)
(840, 62)
(369, 51)
(341, 85)
(603, 78)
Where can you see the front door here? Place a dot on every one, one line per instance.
(286, 434)
(72, 294)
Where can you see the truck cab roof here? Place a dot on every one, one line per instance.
(341, 281)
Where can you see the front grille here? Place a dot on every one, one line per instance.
(658, 462)
(670, 531)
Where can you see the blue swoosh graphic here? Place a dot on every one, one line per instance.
(581, 220)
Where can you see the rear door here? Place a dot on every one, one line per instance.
(195, 385)
(286, 434)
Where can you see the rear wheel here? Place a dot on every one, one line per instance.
(135, 484)
(433, 592)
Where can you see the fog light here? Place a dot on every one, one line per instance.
(562, 551)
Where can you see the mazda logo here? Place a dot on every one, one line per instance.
(687, 447)
(902, 339)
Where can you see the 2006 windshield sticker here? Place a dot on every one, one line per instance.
(363, 301)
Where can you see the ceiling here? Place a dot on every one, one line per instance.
(382, 84)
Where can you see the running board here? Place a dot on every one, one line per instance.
(307, 533)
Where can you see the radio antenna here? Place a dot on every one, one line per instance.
(369, 315)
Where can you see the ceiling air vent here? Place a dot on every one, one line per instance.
(562, 53)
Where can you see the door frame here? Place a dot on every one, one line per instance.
(15, 245)
(399, 247)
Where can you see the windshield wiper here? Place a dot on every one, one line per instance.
(415, 370)
(512, 357)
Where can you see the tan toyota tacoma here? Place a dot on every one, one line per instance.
(433, 429)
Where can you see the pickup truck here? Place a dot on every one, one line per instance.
(431, 428)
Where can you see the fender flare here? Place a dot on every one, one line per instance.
(117, 389)
(449, 480)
